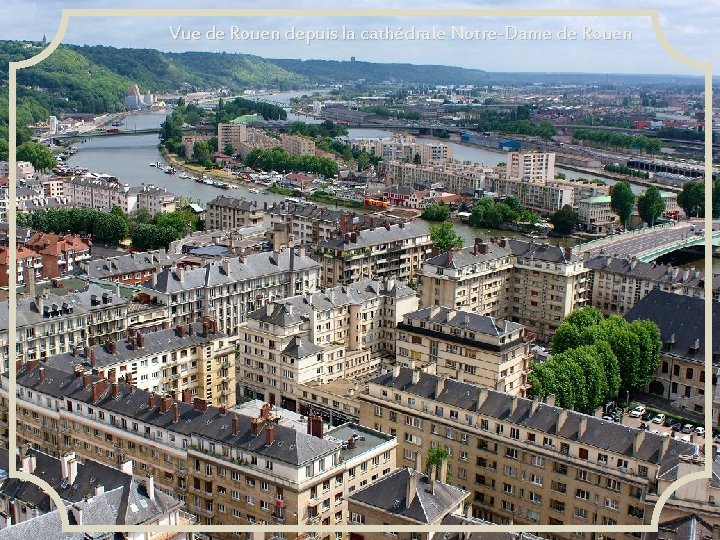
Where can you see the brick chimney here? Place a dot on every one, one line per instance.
(175, 412)
(222, 410)
(190, 330)
(140, 340)
(98, 389)
(151, 400)
(86, 379)
(115, 390)
(41, 375)
(165, 403)
(199, 404)
(269, 434)
(235, 425)
(180, 330)
(255, 426)
(186, 398)
(205, 329)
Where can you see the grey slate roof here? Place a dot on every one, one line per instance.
(128, 263)
(643, 270)
(212, 274)
(680, 316)
(539, 252)
(390, 495)
(600, 433)
(46, 526)
(223, 201)
(467, 257)
(290, 446)
(465, 320)
(379, 235)
(160, 341)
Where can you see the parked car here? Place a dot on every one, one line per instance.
(648, 416)
(668, 422)
(688, 428)
(677, 426)
(638, 411)
(700, 430)
(659, 418)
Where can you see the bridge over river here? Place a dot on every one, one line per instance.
(649, 244)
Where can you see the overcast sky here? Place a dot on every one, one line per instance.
(512, 49)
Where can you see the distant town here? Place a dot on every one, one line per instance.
(368, 303)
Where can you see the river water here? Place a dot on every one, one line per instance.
(129, 158)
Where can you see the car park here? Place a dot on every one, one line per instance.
(638, 411)
(658, 419)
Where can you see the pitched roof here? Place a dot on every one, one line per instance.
(390, 495)
(128, 263)
(380, 235)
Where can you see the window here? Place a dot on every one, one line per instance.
(583, 453)
(580, 513)
(535, 497)
(357, 518)
(511, 453)
(538, 461)
(611, 503)
(582, 494)
(602, 459)
(535, 479)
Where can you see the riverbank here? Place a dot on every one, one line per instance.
(175, 161)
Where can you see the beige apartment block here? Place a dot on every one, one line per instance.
(467, 346)
(232, 134)
(403, 147)
(532, 167)
(194, 358)
(225, 213)
(544, 198)
(525, 462)
(618, 284)
(475, 279)
(292, 348)
(596, 215)
(297, 146)
(228, 290)
(390, 251)
(455, 176)
(227, 468)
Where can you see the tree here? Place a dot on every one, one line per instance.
(692, 199)
(201, 152)
(228, 150)
(417, 160)
(37, 154)
(650, 344)
(564, 220)
(436, 212)
(622, 200)
(650, 205)
(444, 237)
(435, 456)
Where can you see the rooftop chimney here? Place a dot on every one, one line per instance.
(165, 404)
(235, 425)
(115, 390)
(411, 490)
(175, 412)
(200, 404)
(150, 487)
(562, 417)
(151, 400)
(41, 374)
(140, 340)
(439, 386)
(180, 330)
(269, 434)
(256, 425)
(222, 410)
(416, 376)
(186, 398)
(86, 379)
(431, 479)
(582, 428)
(98, 389)
(443, 471)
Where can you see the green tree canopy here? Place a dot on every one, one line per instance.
(436, 212)
(444, 237)
(38, 154)
(564, 220)
(650, 205)
(692, 199)
(622, 200)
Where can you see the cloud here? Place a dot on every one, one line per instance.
(687, 31)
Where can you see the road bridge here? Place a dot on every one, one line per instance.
(649, 244)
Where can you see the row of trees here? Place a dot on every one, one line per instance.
(227, 111)
(145, 231)
(321, 130)
(278, 159)
(515, 121)
(436, 212)
(596, 357)
(692, 198)
(107, 227)
(618, 140)
(622, 169)
(490, 214)
(38, 154)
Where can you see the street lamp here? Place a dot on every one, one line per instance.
(627, 398)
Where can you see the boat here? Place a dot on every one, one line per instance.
(153, 164)
(117, 123)
(169, 170)
(254, 190)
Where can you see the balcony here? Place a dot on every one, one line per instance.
(313, 520)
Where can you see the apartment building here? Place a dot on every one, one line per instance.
(233, 135)
(536, 285)
(405, 497)
(455, 176)
(544, 198)
(128, 269)
(393, 250)
(526, 462)
(595, 214)
(60, 254)
(28, 264)
(227, 468)
(225, 213)
(618, 284)
(532, 167)
(403, 147)
(307, 223)
(548, 283)
(466, 346)
(48, 324)
(475, 279)
(698, 499)
(104, 192)
(294, 346)
(297, 145)
(189, 141)
(195, 358)
(97, 485)
(681, 376)
(227, 290)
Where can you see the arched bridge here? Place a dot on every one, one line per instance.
(649, 244)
